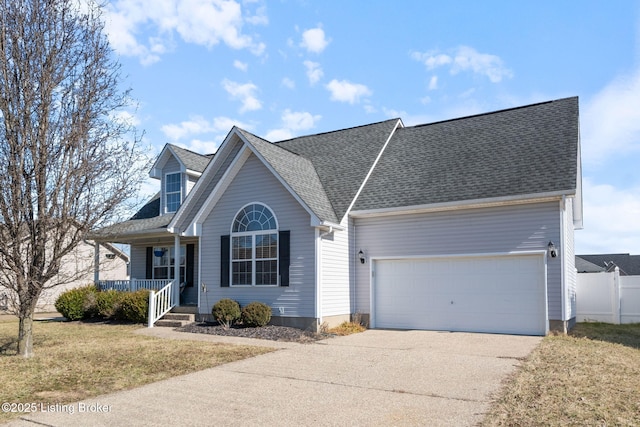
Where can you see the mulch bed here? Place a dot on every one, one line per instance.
(269, 332)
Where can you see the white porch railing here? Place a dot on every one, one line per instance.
(160, 303)
(133, 285)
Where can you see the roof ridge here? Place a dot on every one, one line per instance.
(190, 151)
(275, 144)
(503, 110)
(338, 130)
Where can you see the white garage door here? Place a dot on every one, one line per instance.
(501, 294)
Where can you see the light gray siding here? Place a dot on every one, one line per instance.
(569, 259)
(255, 183)
(207, 187)
(335, 273)
(191, 181)
(505, 229)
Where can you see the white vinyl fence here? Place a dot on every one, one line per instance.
(608, 297)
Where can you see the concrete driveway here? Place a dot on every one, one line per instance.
(379, 377)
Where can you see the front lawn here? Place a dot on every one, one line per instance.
(76, 361)
(589, 377)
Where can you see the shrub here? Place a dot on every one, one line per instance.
(108, 303)
(226, 312)
(78, 303)
(134, 306)
(347, 328)
(256, 314)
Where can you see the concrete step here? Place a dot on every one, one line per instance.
(180, 316)
(170, 323)
(176, 320)
(185, 309)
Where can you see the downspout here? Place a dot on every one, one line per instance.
(563, 278)
(318, 277)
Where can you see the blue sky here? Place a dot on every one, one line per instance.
(287, 68)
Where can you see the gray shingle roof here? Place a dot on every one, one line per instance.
(629, 265)
(342, 158)
(298, 172)
(520, 151)
(193, 161)
(146, 220)
(584, 266)
(150, 209)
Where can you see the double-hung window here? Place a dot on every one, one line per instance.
(172, 191)
(163, 266)
(254, 247)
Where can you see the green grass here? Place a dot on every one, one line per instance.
(590, 377)
(75, 361)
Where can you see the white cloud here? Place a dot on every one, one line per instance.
(465, 58)
(293, 121)
(610, 220)
(203, 147)
(610, 121)
(314, 40)
(431, 59)
(242, 66)
(433, 83)
(288, 83)
(276, 135)
(202, 22)
(199, 134)
(345, 91)
(299, 120)
(314, 71)
(195, 126)
(245, 93)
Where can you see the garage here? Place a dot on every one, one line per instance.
(495, 294)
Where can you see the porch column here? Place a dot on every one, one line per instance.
(176, 270)
(96, 263)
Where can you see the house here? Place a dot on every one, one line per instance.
(628, 265)
(461, 225)
(78, 268)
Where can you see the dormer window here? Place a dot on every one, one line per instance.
(172, 191)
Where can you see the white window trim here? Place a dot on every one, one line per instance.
(169, 266)
(253, 249)
(165, 194)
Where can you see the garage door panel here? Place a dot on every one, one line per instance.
(486, 294)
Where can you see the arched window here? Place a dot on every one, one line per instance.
(254, 247)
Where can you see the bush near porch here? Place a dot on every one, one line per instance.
(88, 303)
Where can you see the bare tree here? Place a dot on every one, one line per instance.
(69, 159)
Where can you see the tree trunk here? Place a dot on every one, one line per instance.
(25, 334)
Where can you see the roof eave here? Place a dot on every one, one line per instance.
(465, 204)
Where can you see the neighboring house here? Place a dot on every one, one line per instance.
(462, 225)
(77, 269)
(629, 265)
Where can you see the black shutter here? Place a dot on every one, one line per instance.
(149, 271)
(285, 258)
(224, 260)
(189, 266)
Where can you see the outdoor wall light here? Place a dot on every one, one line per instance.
(553, 252)
(361, 256)
(110, 256)
(158, 252)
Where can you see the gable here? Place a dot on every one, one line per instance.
(343, 159)
(179, 159)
